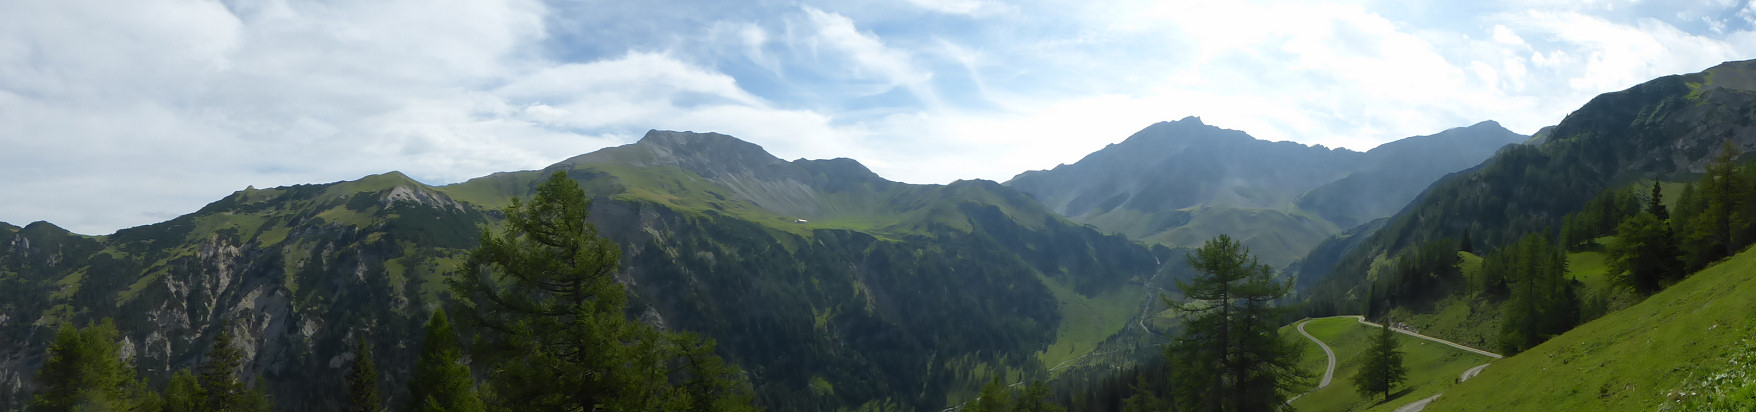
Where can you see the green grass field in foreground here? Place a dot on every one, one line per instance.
(1629, 359)
(1433, 367)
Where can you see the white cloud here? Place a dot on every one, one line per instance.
(840, 43)
(973, 8)
(117, 114)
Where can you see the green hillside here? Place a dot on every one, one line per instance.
(1668, 128)
(1630, 359)
(1433, 367)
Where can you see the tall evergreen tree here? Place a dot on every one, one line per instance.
(1656, 203)
(363, 392)
(85, 371)
(184, 393)
(1035, 398)
(1383, 369)
(995, 397)
(442, 383)
(221, 389)
(1724, 214)
(1644, 253)
(550, 318)
(1543, 301)
(1229, 356)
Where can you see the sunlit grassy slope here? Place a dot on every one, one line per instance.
(1087, 321)
(1628, 359)
(1433, 367)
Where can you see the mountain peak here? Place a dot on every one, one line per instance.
(699, 142)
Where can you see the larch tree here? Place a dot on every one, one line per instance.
(1229, 356)
(442, 382)
(1383, 369)
(85, 371)
(363, 392)
(549, 323)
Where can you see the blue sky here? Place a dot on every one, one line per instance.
(116, 114)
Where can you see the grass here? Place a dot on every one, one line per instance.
(1087, 321)
(1433, 367)
(1629, 359)
(1466, 319)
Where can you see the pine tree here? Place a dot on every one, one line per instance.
(184, 393)
(1229, 356)
(85, 372)
(1724, 201)
(1656, 204)
(442, 383)
(549, 317)
(218, 376)
(1035, 398)
(221, 389)
(363, 392)
(995, 397)
(1383, 369)
(1644, 253)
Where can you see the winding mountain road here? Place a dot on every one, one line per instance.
(1328, 374)
(1416, 406)
(1362, 319)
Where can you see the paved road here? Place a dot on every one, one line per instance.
(1416, 406)
(1362, 319)
(1328, 374)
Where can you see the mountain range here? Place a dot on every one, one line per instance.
(1181, 183)
(832, 287)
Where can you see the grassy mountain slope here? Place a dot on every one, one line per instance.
(1432, 367)
(1180, 183)
(1668, 127)
(1629, 359)
(890, 293)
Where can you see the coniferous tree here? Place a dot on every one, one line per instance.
(442, 383)
(1229, 356)
(1656, 203)
(85, 371)
(221, 389)
(550, 319)
(1543, 302)
(184, 393)
(1383, 369)
(1644, 253)
(1035, 398)
(1724, 199)
(995, 397)
(1145, 399)
(363, 392)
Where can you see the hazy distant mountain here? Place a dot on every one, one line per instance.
(1180, 183)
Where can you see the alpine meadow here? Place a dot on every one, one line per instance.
(542, 205)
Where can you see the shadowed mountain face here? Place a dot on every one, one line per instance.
(1665, 129)
(831, 286)
(1180, 183)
